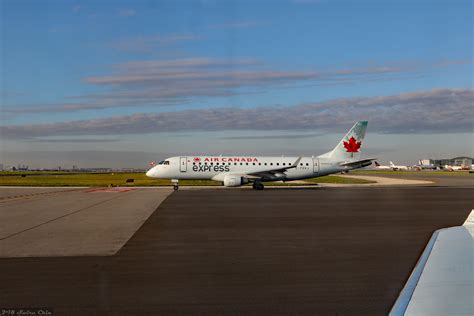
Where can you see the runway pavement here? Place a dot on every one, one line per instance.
(64, 222)
(15, 192)
(285, 251)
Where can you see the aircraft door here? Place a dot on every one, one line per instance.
(315, 165)
(183, 164)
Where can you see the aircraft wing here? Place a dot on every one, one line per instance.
(359, 163)
(271, 173)
(442, 282)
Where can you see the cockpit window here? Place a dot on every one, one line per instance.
(166, 162)
(161, 162)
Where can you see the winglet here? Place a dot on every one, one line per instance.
(469, 220)
(295, 164)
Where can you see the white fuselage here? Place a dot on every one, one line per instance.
(217, 167)
(235, 171)
(395, 167)
(453, 168)
(382, 167)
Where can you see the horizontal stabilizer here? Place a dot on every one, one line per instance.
(359, 163)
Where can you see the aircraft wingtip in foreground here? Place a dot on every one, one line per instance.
(235, 171)
(442, 282)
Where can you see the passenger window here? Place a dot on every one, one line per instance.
(271, 163)
(247, 163)
(307, 164)
(217, 163)
(254, 163)
(284, 164)
(278, 163)
(241, 164)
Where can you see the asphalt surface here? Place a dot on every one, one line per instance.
(61, 222)
(15, 192)
(284, 251)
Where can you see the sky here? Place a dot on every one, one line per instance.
(120, 83)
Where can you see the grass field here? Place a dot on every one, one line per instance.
(46, 179)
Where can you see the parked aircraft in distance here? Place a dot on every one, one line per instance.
(453, 168)
(381, 167)
(235, 171)
(421, 166)
(395, 167)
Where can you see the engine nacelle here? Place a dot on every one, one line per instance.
(280, 176)
(234, 180)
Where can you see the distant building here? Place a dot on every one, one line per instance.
(98, 169)
(1, 167)
(456, 161)
(132, 170)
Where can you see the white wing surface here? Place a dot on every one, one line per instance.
(442, 282)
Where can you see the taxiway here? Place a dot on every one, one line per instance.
(306, 251)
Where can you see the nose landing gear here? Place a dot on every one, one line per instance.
(175, 184)
(257, 185)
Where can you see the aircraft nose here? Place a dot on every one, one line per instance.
(150, 173)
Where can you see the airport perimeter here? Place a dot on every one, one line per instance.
(281, 251)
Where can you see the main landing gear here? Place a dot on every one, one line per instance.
(257, 185)
(175, 184)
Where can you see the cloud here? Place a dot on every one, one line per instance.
(196, 62)
(126, 12)
(169, 82)
(155, 83)
(455, 62)
(150, 43)
(73, 140)
(285, 136)
(238, 25)
(434, 111)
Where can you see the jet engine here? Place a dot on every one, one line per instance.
(280, 176)
(234, 180)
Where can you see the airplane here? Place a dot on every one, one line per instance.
(380, 167)
(395, 167)
(453, 168)
(423, 165)
(235, 171)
